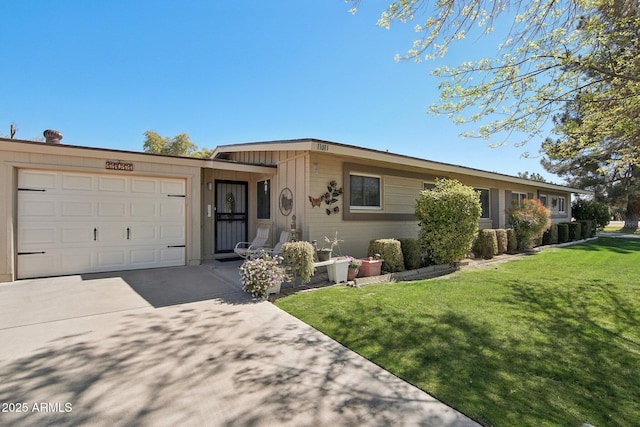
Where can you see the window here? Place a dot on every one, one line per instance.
(561, 204)
(264, 199)
(517, 198)
(543, 200)
(484, 201)
(365, 192)
(428, 186)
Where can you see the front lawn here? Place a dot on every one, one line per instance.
(549, 340)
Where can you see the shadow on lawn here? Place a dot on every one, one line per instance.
(558, 361)
(620, 245)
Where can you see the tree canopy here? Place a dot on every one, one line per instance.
(179, 145)
(549, 52)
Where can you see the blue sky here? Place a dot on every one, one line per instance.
(228, 72)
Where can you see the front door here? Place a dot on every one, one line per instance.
(231, 215)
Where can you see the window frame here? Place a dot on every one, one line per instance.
(365, 207)
(480, 189)
(260, 210)
(562, 207)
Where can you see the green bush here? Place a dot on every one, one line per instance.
(529, 221)
(298, 256)
(591, 210)
(550, 237)
(575, 231)
(448, 216)
(563, 232)
(410, 252)
(585, 228)
(391, 253)
(512, 241)
(486, 244)
(501, 235)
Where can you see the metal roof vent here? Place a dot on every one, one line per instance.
(52, 136)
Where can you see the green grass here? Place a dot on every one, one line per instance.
(549, 340)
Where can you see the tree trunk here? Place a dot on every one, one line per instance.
(633, 213)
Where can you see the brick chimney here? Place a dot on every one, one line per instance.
(52, 136)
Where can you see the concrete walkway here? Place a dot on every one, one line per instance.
(184, 346)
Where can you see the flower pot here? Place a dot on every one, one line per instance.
(324, 254)
(338, 270)
(352, 273)
(275, 289)
(369, 267)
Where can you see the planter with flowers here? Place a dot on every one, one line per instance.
(354, 265)
(262, 275)
(370, 266)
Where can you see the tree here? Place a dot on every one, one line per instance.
(179, 145)
(548, 52)
(448, 216)
(534, 176)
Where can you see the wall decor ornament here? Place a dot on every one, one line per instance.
(329, 198)
(286, 201)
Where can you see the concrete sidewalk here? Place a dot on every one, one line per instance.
(167, 347)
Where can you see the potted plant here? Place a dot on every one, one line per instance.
(262, 275)
(370, 266)
(354, 265)
(298, 258)
(325, 253)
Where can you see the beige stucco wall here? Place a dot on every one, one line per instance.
(18, 154)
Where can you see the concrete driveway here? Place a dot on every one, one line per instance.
(184, 346)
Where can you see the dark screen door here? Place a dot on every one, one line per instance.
(231, 215)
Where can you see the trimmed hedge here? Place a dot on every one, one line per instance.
(501, 235)
(486, 244)
(390, 251)
(575, 231)
(410, 252)
(550, 237)
(512, 241)
(563, 232)
(588, 228)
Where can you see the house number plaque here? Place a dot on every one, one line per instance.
(119, 166)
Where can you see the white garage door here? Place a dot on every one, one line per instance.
(71, 223)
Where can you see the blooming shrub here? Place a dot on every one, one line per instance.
(529, 221)
(259, 274)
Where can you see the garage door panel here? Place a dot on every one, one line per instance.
(112, 184)
(144, 210)
(76, 182)
(38, 208)
(61, 221)
(77, 208)
(33, 238)
(172, 187)
(38, 265)
(171, 256)
(77, 234)
(142, 185)
(38, 180)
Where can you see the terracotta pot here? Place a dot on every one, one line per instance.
(352, 273)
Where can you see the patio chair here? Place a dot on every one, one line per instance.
(245, 249)
(284, 238)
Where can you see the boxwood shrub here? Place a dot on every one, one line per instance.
(512, 241)
(501, 236)
(410, 252)
(575, 231)
(486, 244)
(563, 232)
(390, 251)
(550, 237)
